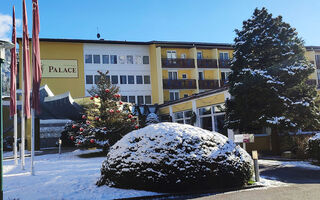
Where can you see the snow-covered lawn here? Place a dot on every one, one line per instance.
(301, 164)
(64, 177)
(70, 177)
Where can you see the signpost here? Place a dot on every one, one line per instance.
(256, 165)
(244, 138)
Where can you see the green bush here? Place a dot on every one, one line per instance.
(314, 147)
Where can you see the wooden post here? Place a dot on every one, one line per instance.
(256, 165)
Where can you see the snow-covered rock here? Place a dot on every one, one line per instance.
(172, 157)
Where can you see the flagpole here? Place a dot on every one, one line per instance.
(15, 135)
(32, 142)
(22, 112)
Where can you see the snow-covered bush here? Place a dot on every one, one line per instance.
(152, 118)
(174, 157)
(314, 147)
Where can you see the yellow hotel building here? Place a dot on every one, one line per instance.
(181, 77)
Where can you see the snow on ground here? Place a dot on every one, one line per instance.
(267, 181)
(301, 164)
(60, 177)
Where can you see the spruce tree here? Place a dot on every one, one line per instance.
(106, 120)
(268, 81)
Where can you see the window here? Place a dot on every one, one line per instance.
(122, 60)
(114, 79)
(97, 79)
(224, 76)
(96, 59)
(146, 79)
(124, 98)
(174, 95)
(132, 99)
(199, 55)
(130, 79)
(113, 59)
(183, 117)
(147, 99)
(88, 58)
(108, 78)
(139, 80)
(145, 59)
(184, 76)
(224, 56)
(185, 95)
(183, 56)
(171, 54)
(212, 118)
(105, 59)
(201, 76)
(173, 75)
(138, 60)
(140, 100)
(89, 79)
(130, 59)
(123, 79)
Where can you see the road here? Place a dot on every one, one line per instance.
(302, 184)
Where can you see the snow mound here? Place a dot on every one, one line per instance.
(174, 157)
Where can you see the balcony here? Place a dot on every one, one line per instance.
(207, 63)
(177, 63)
(224, 63)
(211, 84)
(179, 84)
(318, 64)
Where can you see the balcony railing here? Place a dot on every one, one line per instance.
(179, 84)
(207, 63)
(211, 84)
(177, 63)
(224, 63)
(318, 64)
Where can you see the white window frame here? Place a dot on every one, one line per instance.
(202, 71)
(199, 53)
(185, 75)
(183, 56)
(174, 95)
(224, 53)
(171, 54)
(172, 71)
(184, 117)
(212, 114)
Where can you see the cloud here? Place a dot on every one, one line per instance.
(6, 25)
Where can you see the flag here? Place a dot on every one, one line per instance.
(13, 68)
(36, 62)
(26, 62)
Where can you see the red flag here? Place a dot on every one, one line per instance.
(36, 62)
(26, 62)
(13, 72)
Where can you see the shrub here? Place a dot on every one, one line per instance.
(175, 157)
(314, 147)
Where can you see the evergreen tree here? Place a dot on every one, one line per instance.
(106, 120)
(268, 81)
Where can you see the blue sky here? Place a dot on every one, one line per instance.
(169, 20)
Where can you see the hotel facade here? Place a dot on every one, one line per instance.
(183, 78)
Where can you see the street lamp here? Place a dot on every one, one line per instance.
(3, 46)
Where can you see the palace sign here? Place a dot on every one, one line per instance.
(59, 68)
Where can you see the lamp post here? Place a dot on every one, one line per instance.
(3, 46)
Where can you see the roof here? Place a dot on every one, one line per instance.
(315, 48)
(158, 43)
(195, 96)
(172, 44)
